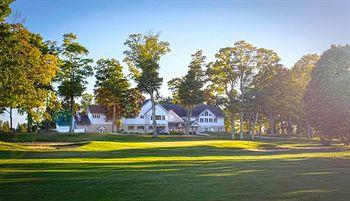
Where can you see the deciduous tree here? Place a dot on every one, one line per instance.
(5, 9)
(75, 68)
(113, 91)
(142, 57)
(26, 70)
(328, 93)
(188, 90)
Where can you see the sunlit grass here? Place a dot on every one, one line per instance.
(138, 168)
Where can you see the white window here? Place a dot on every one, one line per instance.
(201, 119)
(215, 120)
(210, 120)
(206, 113)
(163, 117)
(95, 116)
(142, 117)
(206, 119)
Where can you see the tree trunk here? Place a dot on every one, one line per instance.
(155, 134)
(289, 127)
(260, 130)
(11, 128)
(189, 114)
(113, 119)
(298, 128)
(71, 126)
(272, 125)
(233, 126)
(256, 117)
(29, 122)
(309, 132)
(250, 124)
(242, 107)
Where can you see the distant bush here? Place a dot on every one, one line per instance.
(22, 128)
(5, 128)
(175, 133)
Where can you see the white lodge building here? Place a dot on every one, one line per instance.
(169, 117)
(173, 117)
(143, 122)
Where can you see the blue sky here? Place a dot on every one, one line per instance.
(291, 28)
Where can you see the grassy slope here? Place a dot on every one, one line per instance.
(137, 168)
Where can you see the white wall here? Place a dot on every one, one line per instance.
(62, 129)
(219, 122)
(173, 117)
(101, 120)
(146, 112)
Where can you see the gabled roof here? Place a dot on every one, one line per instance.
(194, 123)
(214, 109)
(182, 112)
(144, 102)
(82, 119)
(97, 109)
(161, 106)
(178, 109)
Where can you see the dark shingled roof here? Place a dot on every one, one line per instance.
(83, 120)
(178, 109)
(182, 112)
(214, 109)
(144, 102)
(97, 109)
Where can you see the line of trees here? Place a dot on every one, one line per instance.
(249, 83)
(258, 92)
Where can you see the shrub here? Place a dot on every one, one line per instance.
(175, 133)
(5, 127)
(22, 128)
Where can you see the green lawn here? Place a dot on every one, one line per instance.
(114, 167)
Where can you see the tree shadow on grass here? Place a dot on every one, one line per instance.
(308, 179)
(175, 173)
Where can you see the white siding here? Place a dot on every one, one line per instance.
(62, 129)
(146, 113)
(173, 117)
(209, 122)
(101, 119)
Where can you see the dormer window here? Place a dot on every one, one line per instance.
(206, 113)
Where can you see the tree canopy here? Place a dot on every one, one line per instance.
(113, 91)
(5, 9)
(189, 90)
(142, 57)
(75, 68)
(327, 95)
(26, 69)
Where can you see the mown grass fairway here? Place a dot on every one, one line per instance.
(111, 167)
